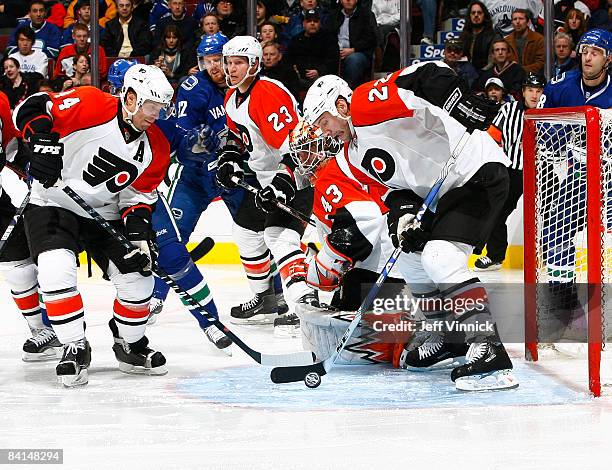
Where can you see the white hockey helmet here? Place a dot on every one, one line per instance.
(150, 84)
(323, 95)
(243, 46)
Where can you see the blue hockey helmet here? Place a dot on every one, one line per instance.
(211, 44)
(116, 74)
(599, 38)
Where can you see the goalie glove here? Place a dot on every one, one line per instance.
(139, 232)
(229, 165)
(45, 155)
(282, 188)
(327, 269)
(472, 111)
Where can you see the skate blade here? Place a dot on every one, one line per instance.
(152, 320)
(140, 370)
(50, 354)
(498, 380)
(445, 364)
(492, 268)
(69, 381)
(286, 332)
(260, 319)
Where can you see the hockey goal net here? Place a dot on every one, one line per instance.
(568, 233)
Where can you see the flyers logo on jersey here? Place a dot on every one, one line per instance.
(108, 168)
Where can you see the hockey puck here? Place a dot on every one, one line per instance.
(312, 380)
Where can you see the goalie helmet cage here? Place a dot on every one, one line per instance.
(567, 228)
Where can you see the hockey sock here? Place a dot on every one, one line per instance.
(191, 280)
(131, 318)
(161, 289)
(21, 276)
(65, 311)
(28, 304)
(43, 311)
(276, 279)
(257, 269)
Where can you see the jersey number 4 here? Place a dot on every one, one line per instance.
(281, 118)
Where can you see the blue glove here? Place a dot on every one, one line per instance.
(199, 145)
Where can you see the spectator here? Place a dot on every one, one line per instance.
(454, 58)
(261, 13)
(495, 90)
(564, 61)
(510, 73)
(356, 32)
(602, 17)
(158, 11)
(30, 60)
(81, 65)
(274, 66)
(125, 35)
(575, 25)
(507, 130)
(296, 22)
(387, 21)
(15, 84)
(83, 13)
(10, 10)
(169, 56)
(526, 46)
(107, 11)
(560, 10)
(210, 24)
(178, 17)
(502, 19)
(48, 36)
(142, 9)
(429, 9)
(81, 45)
(477, 34)
(46, 86)
(313, 52)
(203, 8)
(230, 22)
(268, 32)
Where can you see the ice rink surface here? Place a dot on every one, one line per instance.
(217, 412)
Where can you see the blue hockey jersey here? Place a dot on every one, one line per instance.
(48, 38)
(568, 90)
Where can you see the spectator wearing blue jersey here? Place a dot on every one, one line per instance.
(296, 21)
(48, 36)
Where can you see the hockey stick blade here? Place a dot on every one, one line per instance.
(202, 249)
(283, 375)
(298, 358)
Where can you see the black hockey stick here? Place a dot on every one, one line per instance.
(300, 357)
(13, 222)
(202, 249)
(311, 374)
(281, 205)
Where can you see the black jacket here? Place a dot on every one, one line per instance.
(186, 25)
(284, 73)
(362, 29)
(138, 32)
(512, 76)
(477, 47)
(319, 52)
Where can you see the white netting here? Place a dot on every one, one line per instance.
(561, 215)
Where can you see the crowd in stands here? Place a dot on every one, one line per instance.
(48, 40)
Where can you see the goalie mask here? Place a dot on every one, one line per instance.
(309, 147)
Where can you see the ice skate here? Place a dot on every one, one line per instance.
(155, 308)
(484, 263)
(281, 304)
(260, 310)
(42, 346)
(72, 368)
(487, 367)
(287, 326)
(137, 358)
(219, 339)
(433, 353)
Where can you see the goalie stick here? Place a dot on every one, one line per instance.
(281, 205)
(300, 357)
(311, 374)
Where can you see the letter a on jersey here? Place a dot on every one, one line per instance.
(110, 169)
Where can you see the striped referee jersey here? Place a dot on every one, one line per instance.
(507, 131)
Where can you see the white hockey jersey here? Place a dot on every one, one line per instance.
(109, 172)
(404, 141)
(262, 118)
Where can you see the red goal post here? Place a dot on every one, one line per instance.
(567, 232)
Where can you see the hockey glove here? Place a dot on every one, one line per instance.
(229, 164)
(203, 139)
(327, 269)
(282, 188)
(472, 111)
(46, 154)
(403, 206)
(139, 232)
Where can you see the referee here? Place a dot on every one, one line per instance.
(507, 130)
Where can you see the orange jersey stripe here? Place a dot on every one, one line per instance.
(135, 311)
(27, 303)
(63, 306)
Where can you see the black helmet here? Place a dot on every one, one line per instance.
(534, 80)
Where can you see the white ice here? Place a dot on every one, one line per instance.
(217, 412)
